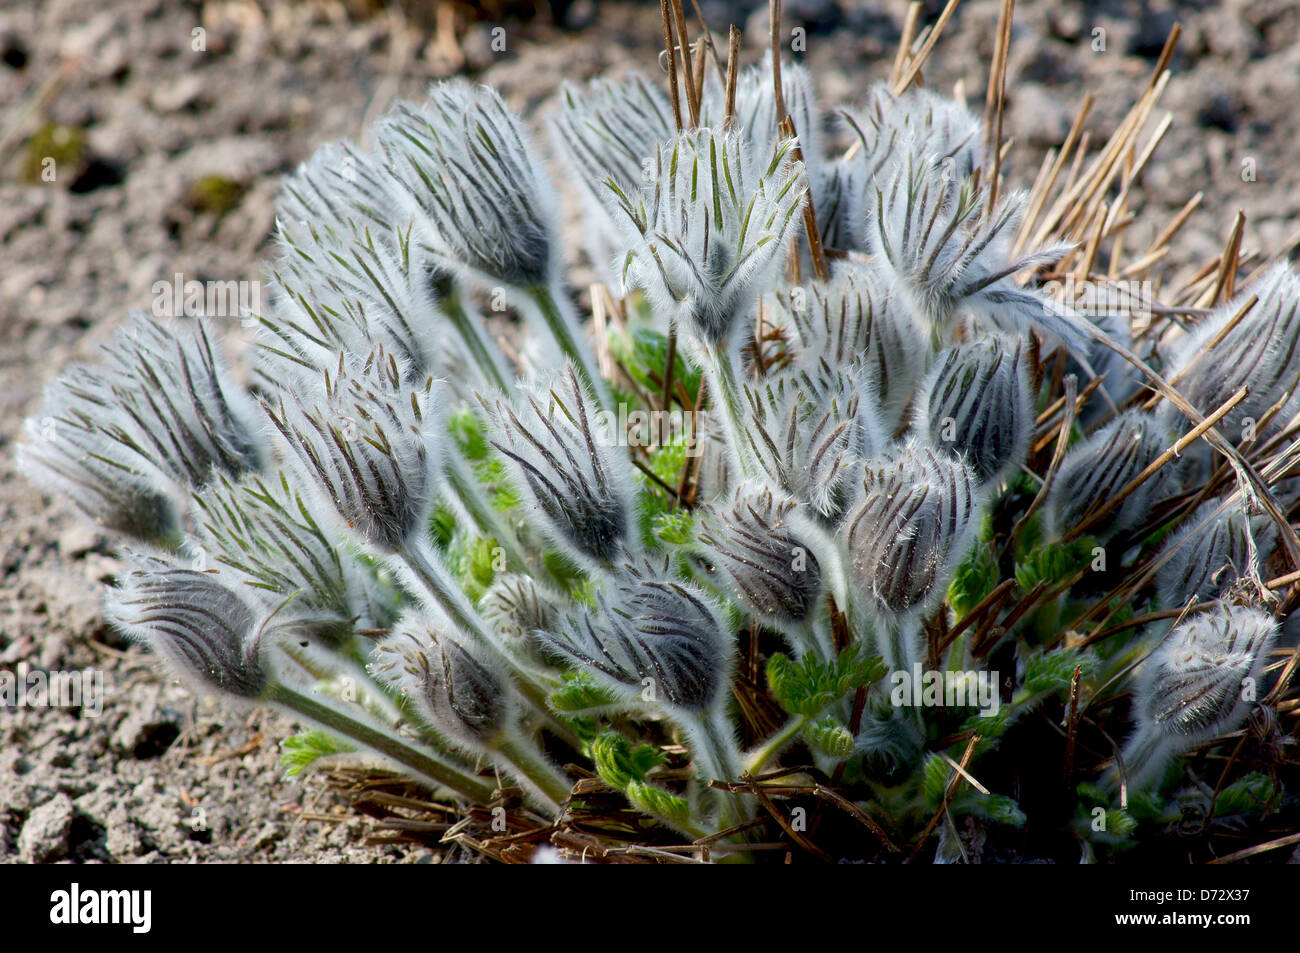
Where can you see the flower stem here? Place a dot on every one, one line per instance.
(527, 763)
(773, 745)
(482, 350)
(558, 316)
(382, 742)
(724, 388)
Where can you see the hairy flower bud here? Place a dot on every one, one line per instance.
(1211, 554)
(1104, 464)
(947, 257)
(368, 446)
(1261, 352)
(709, 235)
(607, 129)
(976, 402)
(456, 690)
(856, 320)
(198, 626)
(756, 543)
(911, 525)
(655, 639)
(268, 535)
(808, 427)
(479, 196)
(66, 450)
(565, 459)
(756, 110)
(516, 607)
(1191, 687)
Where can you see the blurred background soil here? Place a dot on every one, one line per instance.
(169, 145)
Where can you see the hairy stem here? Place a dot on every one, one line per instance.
(381, 741)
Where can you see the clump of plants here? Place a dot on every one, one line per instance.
(846, 522)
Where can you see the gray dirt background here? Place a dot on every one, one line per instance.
(278, 79)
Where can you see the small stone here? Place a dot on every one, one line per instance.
(44, 836)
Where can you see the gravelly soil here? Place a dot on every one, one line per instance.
(162, 776)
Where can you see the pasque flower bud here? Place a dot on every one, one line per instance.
(1197, 684)
(946, 257)
(457, 690)
(1261, 352)
(755, 541)
(976, 402)
(478, 194)
(567, 462)
(807, 427)
(195, 623)
(1104, 464)
(857, 320)
(1210, 554)
(653, 628)
(910, 525)
(1192, 685)
(710, 234)
(367, 444)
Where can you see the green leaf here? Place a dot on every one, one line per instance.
(676, 528)
(975, 578)
(1051, 671)
(302, 749)
(467, 430)
(805, 688)
(644, 352)
(619, 764)
(995, 807)
(580, 693)
(658, 802)
(936, 772)
(1250, 795)
(829, 735)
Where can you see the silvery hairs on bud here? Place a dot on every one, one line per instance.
(609, 130)
(944, 255)
(479, 197)
(1102, 465)
(1191, 685)
(338, 188)
(352, 289)
(199, 626)
(66, 450)
(762, 546)
(976, 402)
(566, 457)
(708, 236)
(912, 522)
(756, 112)
(166, 397)
(855, 319)
(369, 446)
(516, 607)
(1262, 353)
(456, 690)
(809, 427)
(1212, 553)
(650, 627)
(265, 534)
(931, 128)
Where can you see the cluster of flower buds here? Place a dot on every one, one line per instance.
(848, 454)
